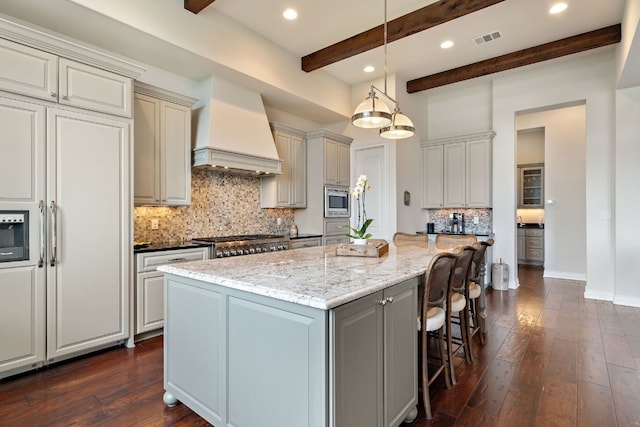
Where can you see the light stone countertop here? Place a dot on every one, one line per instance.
(314, 277)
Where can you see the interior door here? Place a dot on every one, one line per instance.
(89, 205)
(371, 161)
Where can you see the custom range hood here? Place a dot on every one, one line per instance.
(232, 131)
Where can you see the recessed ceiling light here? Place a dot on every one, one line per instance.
(557, 8)
(446, 44)
(290, 14)
(369, 69)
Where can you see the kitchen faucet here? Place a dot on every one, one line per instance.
(519, 220)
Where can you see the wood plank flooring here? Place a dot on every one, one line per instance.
(552, 358)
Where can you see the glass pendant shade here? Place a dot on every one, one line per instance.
(371, 114)
(400, 127)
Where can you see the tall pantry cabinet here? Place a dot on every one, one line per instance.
(66, 160)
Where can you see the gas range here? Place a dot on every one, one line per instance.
(246, 244)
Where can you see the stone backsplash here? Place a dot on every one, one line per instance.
(221, 205)
(440, 217)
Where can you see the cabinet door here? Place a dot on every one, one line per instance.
(146, 187)
(344, 166)
(400, 351)
(175, 154)
(88, 275)
(433, 160)
(521, 246)
(284, 182)
(454, 175)
(358, 367)
(28, 71)
(298, 162)
(149, 301)
(304, 243)
(94, 89)
(21, 318)
(478, 174)
(330, 162)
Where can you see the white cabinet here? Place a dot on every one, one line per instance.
(521, 245)
(334, 231)
(162, 169)
(457, 171)
(433, 177)
(42, 75)
(288, 190)
(149, 284)
(531, 186)
(306, 242)
(336, 162)
(375, 361)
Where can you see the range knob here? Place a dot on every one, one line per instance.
(233, 252)
(219, 254)
(258, 249)
(226, 253)
(252, 250)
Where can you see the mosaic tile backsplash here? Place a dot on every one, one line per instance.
(221, 205)
(441, 219)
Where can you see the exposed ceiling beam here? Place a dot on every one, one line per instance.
(585, 41)
(411, 23)
(196, 6)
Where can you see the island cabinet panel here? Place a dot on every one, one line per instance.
(374, 348)
(195, 348)
(244, 360)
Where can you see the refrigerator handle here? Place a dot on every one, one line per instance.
(43, 237)
(54, 233)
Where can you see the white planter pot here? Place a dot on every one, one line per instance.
(360, 241)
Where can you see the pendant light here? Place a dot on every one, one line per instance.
(373, 114)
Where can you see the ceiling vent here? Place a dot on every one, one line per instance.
(489, 37)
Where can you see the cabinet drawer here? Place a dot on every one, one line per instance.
(535, 255)
(94, 89)
(305, 243)
(150, 261)
(336, 227)
(535, 242)
(534, 232)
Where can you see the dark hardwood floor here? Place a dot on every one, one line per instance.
(552, 358)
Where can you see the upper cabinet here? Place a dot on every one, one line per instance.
(457, 171)
(42, 75)
(288, 190)
(162, 148)
(332, 150)
(531, 186)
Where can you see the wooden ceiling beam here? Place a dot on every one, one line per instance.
(195, 6)
(568, 46)
(411, 23)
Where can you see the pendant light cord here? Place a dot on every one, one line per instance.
(385, 47)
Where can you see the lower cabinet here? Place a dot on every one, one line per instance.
(334, 231)
(241, 359)
(531, 246)
(149, 285)
(305, 242)
(375, 367)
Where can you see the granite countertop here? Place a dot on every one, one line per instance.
(457, 234)
(315, 277)
(168, 245)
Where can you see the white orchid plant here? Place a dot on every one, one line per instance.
(358, 193)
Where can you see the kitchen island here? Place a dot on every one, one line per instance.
(295, 338)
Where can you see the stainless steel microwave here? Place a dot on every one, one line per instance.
(336, 202)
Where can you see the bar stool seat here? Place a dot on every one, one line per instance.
(474, 290)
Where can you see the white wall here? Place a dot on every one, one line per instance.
(530, 145)
(565, 185)
(627, 162)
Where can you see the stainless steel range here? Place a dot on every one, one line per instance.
(228, 246)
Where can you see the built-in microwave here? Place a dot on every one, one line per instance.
(14, 236)
(336, 202)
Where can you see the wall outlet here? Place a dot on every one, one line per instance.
(154, 224)
(279, 221)
(476, 220)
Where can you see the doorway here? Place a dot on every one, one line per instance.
(564, 200)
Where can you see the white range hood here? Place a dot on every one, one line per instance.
(232, 131)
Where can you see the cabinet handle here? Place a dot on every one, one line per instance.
(53, 94)
(389, 300)
(382, 302)
(43, 236)
(54, 233)
(177, 259)
(65, 97)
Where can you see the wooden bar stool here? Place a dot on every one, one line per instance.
(456, 239)
(476, 290)
(408, 239)
(432, 321)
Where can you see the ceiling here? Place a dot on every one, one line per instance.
(523, 23)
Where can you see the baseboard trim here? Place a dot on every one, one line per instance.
(563, 275)
(630, 301)
(602, 296)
